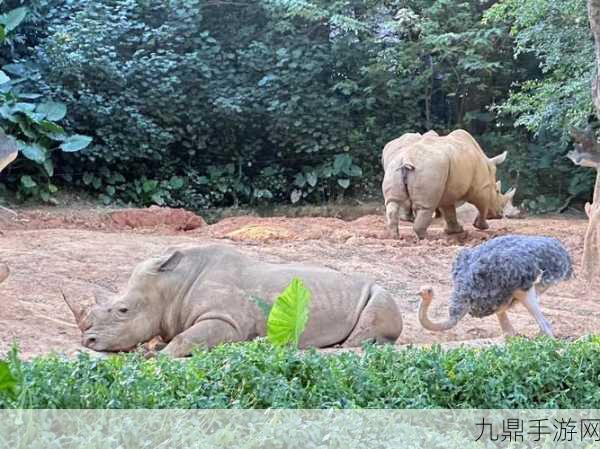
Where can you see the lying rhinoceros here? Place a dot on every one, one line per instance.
(203, 296)
(439, 172)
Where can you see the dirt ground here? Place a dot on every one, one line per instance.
(77, 250)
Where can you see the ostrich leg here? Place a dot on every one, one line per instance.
(531, 301)
(505, 324)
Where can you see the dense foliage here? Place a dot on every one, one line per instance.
(542, 373)
(30, 117)
(200, 103)
(557, 95)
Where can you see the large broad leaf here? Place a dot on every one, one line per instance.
(75, 143)
(52, 110)
(289, 315)
(17, 69)
(32, 151)
(13, 18)
(8, 383)
(4, 77)
(51, 128)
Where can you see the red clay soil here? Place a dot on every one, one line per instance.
(80, 250)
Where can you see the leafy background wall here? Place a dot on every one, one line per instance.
(212, 103)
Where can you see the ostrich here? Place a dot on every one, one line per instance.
(493, 276)
(8, 153)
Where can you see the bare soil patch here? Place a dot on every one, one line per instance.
(77, 250)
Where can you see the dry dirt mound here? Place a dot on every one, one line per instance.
(157, 217)
(153, 218)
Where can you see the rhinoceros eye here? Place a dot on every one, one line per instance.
(123, 310)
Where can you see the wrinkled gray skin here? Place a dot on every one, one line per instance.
(202, 296)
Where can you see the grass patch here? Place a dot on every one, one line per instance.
(543, 373)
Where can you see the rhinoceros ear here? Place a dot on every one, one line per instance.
(499, 186)
(510, 194)
(497, 160)
(169, 263)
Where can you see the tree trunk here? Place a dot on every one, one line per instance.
(591, 247)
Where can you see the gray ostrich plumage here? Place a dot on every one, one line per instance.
(486, 276)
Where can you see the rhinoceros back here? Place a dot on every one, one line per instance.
(336, 304)
(337, 298)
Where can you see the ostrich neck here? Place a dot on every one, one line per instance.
(431, 325)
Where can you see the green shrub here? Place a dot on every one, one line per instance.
(31, 119)
(542, 373)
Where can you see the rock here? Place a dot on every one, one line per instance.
(155, 216)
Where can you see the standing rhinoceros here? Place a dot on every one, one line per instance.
(205, 295)
(439, 172)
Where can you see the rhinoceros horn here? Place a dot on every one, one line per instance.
(78, 312)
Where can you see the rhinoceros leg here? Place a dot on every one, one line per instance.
(379, 322)
(423, 218)
(205, 334)
(452, 224)
(481, 222)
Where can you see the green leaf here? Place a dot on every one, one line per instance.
(6, 112)
(149, 185)
(51, 128)
(8, 383)
(4, 77)
(354, 170)
(2, 33)
(76, 142)
(176, 182)
(88, 178)
(344, 183)
(52, 110)
(300, 180)
(289, 314)
(27, 182)
(296, 196)
(13, 18)
(34, 152)
(23, 107)
(158, 199)
(105, 199)
(18, 70)
(342, 162)
(49, 167)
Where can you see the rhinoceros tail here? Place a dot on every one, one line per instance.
(405, 169)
